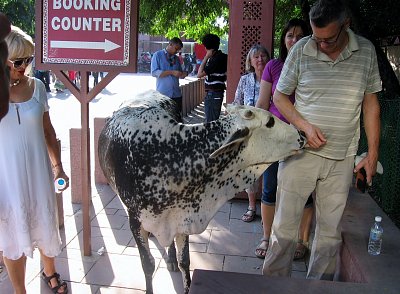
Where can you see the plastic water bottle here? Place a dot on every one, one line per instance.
(59, 184)
(375, 237)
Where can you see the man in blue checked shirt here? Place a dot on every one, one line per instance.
(167, 70)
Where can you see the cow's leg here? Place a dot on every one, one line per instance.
(172, 263)
(182, 244)
(142, 242)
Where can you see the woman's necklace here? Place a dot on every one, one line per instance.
(16, 83)
(13, 84)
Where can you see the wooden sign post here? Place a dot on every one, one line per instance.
(86, 36)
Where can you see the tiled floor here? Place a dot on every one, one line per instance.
(228, 244)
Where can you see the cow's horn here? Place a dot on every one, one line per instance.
(248, 114)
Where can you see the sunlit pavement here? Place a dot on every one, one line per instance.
(228, 244)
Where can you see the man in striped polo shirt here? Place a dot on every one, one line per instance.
(213, 67)
(334, 74)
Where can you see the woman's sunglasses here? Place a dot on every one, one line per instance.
(18, 62)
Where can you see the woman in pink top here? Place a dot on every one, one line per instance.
(294, 30)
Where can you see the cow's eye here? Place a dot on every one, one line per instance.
(271, 122)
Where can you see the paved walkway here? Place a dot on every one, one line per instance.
(228, 244)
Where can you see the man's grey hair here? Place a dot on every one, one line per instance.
(324, 12)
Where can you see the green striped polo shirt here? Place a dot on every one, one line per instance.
(329, 94)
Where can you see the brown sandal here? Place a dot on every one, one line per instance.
(301, 250)
(60, 283)
(262, 249)
(249, 215)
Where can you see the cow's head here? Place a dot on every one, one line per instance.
(262, 137)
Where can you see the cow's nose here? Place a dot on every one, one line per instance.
(302, 139)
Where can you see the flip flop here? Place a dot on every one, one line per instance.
(262, 248)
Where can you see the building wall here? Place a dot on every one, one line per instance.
(152, 44)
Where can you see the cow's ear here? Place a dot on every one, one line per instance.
(232, 108)
(237, 137)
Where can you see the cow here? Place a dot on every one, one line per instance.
(174, 177)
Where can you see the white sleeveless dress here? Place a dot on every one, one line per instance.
(28, 207)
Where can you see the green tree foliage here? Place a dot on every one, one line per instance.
(21, 13)
(377, 18)
(193, 18)
(284, 10)
(371, 19)
(183, 18)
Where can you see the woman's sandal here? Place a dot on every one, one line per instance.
(249, 215)
(61, 285)
(261, 249)
(301, 250)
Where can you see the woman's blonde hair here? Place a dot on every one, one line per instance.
(253, 50)
(19, 43)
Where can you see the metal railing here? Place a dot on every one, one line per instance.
(385, 188)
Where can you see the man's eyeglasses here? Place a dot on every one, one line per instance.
(329, 41)
(18, 62)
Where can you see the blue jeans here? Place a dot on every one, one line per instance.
(212, 105)
(44, 76)
(270, 182)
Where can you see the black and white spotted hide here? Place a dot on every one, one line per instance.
(173, 177)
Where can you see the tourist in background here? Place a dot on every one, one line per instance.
(167, 69)
(213, 68)
(43, 75)
(247, 93)
(5, 28)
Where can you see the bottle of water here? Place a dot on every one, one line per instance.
(375, 237)
(59, 184)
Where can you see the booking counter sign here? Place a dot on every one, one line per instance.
(86, 32)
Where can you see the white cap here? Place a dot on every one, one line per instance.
(378, 219)
(60, 183)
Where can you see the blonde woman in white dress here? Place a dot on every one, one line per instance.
(29, 163)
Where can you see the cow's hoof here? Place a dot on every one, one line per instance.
(172, 266)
